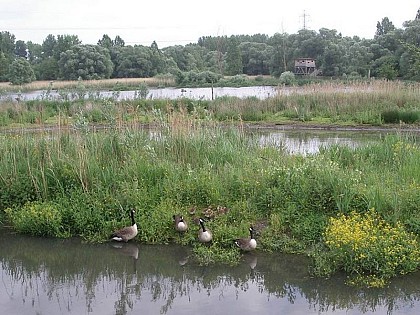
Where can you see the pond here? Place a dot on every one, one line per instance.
(208, 93)
(311, 141)
(51, 276)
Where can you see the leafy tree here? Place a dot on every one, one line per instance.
(357, 58)
(386, 67)
(118, 41)
(7, 44)
(49, 46)
(4, 67)
(256, 58)
(86, 62)
(331, 61)
(134, 62)
(233, 57)
(281, 56)
(384, 27)
(410, 62)
(46, 69)
(157, 59)
(21, 49)
(64, 43)
(106, 42)
(21, 72)
(34, 51)
(182, 56)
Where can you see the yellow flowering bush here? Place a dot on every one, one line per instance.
(370, 249)
(43, 219)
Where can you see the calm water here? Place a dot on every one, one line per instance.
(260, 92)
(47, 276)
(307, 142)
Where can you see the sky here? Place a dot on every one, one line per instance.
(184, 21)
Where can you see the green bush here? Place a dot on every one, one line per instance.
(38, 218)
(395, 116)
(21, 72)
(287, 78)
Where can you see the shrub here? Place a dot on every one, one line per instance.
(370, 249)
(21, 72)
(37, 218)
(287, 78)
(395, 116)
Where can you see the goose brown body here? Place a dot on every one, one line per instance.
(126, 233)
(247, 244)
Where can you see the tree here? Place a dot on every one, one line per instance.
(384, 27)
(64, 43)
(7, 44)
(182, 56)
(331, 61)
(21, 72)
(34, 51)
(21, 49)
(256, 58)
(46, 69)
(118, 42)
(233, 57)
(106, 42)
(157, 59)
(4, 67)
(49, 46)
(134, 62)
(386, 67)
(281, 54)
(88, 62)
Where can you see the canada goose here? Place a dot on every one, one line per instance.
(247, 244)
(126, 233)
(204, 235)
(180, 224)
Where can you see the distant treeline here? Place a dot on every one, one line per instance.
(392, 53)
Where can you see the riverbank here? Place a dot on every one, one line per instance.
(83, 183)
(201, 162)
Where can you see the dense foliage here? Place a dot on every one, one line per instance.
(393, 52)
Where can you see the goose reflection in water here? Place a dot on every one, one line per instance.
(129, 250)
(251, 259)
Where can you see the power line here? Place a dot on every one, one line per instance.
(305, 17)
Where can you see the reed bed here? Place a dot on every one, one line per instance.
(368, 103)
(107, 84)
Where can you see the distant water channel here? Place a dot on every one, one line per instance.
(260, 92)
(51, 276)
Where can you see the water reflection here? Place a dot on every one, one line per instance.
(306, 142)
(46, 276)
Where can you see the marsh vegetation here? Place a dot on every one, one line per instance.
(75, 181)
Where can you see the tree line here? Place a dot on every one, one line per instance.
(392, 53)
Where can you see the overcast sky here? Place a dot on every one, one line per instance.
(182, 22)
